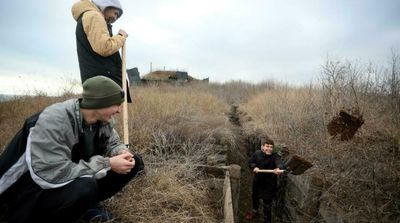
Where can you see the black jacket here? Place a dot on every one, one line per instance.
(16, 146)
(92, 64)
(263, 161)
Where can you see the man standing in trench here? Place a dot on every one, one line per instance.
(264, 184)
(98, 49)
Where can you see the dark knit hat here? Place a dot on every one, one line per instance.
(101, 92)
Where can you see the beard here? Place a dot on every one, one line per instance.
(110, 20)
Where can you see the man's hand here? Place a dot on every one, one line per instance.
(122, 163)
(277, 171)
(122, 33)
(255, 170)
(127, 151)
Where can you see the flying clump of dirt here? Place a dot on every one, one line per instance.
(345, 124)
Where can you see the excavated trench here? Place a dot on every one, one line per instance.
(246, 145)
(299, 198)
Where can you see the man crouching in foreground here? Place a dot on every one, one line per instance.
(67, 159)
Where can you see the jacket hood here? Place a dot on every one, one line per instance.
(81, 7)
(103, 4)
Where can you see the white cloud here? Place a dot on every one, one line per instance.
(223, 40)
(187, 12)
(147, 32)
(22, 83)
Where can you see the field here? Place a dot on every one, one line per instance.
(174, 127)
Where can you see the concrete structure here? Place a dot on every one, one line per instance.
(134, 76)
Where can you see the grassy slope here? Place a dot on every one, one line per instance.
(174, 127)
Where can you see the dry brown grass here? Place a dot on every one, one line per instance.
(174, 114)
(14, 112)
(362, 175)
(166, 194)
(176, 127)
(288, 112)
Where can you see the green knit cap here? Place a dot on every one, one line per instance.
(101, 92)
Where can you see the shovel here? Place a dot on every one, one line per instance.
(296, 165)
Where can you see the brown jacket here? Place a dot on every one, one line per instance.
(95, 28)
(97, 48)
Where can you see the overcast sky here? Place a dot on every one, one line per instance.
(250, 40)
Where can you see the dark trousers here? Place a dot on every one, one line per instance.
(259, 191)
(26, 202)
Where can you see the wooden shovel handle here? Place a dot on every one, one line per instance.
(269, 171)
(125, 103)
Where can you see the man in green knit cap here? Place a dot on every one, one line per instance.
(66, 159)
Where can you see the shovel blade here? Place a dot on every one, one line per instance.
(298, 165)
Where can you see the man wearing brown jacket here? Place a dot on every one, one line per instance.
(98, 49)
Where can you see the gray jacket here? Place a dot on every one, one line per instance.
(48, 153)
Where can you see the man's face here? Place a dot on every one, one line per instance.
(267, 149)
(111, 15)
(105, 114)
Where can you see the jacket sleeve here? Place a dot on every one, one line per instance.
(98, 36)
(279, 163)
(48, 153)
(252, 161)
(115, 144)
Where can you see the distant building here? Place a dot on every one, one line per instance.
(171, 77)
(178, 77)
